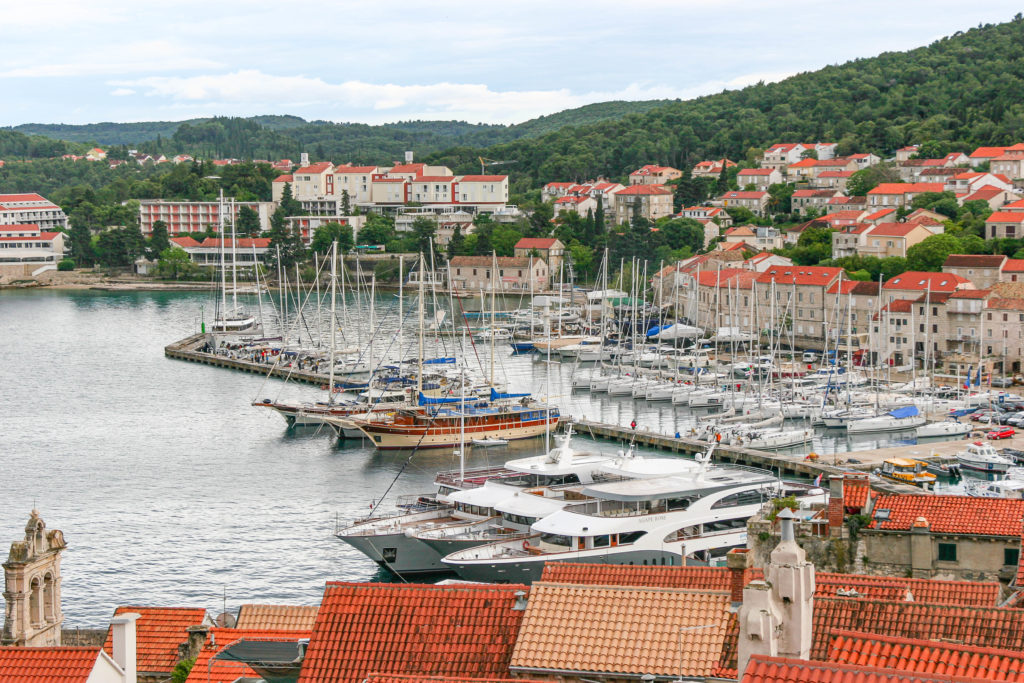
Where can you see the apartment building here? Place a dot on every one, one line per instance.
(654, 175)
(514, 273)
(755, 201)
(186, 217)
(31, 208)
(899, 195)
(648, 201)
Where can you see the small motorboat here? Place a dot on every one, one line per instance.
(490, 442)
(907, 471)
(982, 457)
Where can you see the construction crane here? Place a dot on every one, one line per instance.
(484, 162)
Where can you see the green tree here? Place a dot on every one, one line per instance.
(377, 230)
(722, 185)
(930, 253)
(286, 247)
(863, 181)
(424, 230)
(248, 222)
(119, 247)
(599, 225)
(582, 259)
(329, 233)
(291, 206)
(813, 246)
(682, 233)
(81, 243)
(158, 240)
(174, 264)
(346, 203)
(457, 242)
(780, 198)
(892, 266)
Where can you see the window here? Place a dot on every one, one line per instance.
(602, 541)
(947, 552)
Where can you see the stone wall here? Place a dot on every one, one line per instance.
(83, 637)
(830, 552)
(916, 554)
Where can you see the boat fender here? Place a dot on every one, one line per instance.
(267, 401)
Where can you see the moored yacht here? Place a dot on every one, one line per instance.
(982, 457)
(683, 518)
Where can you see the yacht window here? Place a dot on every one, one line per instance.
(602, 541)
(678, 503)
(631, 537)
(556, 539)
(724, 525)
(737, 499)
(518, 519)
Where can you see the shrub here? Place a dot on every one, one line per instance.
(66, 264)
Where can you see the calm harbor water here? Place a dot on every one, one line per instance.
(171, 489)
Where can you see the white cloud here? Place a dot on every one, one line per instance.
(125, 58)
(253, 90)
(122, 92)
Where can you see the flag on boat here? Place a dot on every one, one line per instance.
(817, 480)
(977, 378)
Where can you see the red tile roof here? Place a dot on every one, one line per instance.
(894, 229)
(878, 214)
(343, 170)
(460, 630)
(974, 626)
(970, 294)
(240, 242)
(23, 197)
(1006, 217)
(987, 152)
(801, 275)
(313, 169)
(1015, 206)
(1013, 265)
(815, 193)
(47, 664)
(927, 657)
(745, 195)
(904, 188)
(644, 189)
(185, 241)
(974, 261)
(651, 168)
(286, 178)
(408, 168)
(756, 171)
(158, 632)
(920, 281)
(950, 514)
(481, 178)
(434, 179)
(205, 670)
(416, 678)
(899, 306)
(764, 669)
(984, 193)
(536, 243)
(929, 591)
(836, 174)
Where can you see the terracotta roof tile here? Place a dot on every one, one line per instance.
(595, 629)
(208, 670)
(460, 630)
(158, 632)
(47, 664)
(1013, 265)
(536, 243)
(950, 514)
(779, 670)
(923, 656)
(968, 593)
(820, 276)
(920, 281)
(974, 261)
(904, 188)
(415, 678)
(1006, 217)
(289, 617)
(644, 189)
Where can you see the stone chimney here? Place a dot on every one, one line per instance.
(738, 561)
(123, 627)
(792, 580)
(836, 506)
(196, 639)
(921, 549)
(304, 159)
(760, 621)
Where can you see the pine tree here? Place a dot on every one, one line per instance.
(456, 242)
(248, 222)
(588, 227)
(346, 203)
(723, 180)
(599, 226)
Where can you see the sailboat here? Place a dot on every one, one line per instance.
(235, 319)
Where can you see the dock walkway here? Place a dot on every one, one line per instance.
(188, 349)
(784, 465)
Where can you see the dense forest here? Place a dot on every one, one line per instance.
(275, 137)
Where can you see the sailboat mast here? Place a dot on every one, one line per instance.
(419, 373)
(234, 260)
(373, 321)
(494, 273)
(259, 289)
(401, 313)
(223, 266)
(334, 325)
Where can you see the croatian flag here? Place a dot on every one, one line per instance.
(817, 480)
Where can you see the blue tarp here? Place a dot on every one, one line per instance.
(439, 361)
(497, 395)
(962, 412)
(906, 411)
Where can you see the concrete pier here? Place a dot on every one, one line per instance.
(188, 349)
(791, 466)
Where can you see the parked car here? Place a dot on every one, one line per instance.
(1004, 418)
(983, 415)
(1016, 421)
(1004, 433)
(1001, 382)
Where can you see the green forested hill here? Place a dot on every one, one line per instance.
(961, 91)
(286, 136)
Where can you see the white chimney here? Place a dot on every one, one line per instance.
(792, 579)
(304, 159)
(123, 627)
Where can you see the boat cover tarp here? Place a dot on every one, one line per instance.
(905, 411)
(961, 412)
(495, 395)
(438, 361)
(431, 401)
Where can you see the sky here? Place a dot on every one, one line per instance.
(376, 61)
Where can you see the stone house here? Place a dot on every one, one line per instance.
(648, 201)
(983, 270)
(899, 195)
(894, 239)
(760, 178)
(818, 200)
(945, 537)
(1002, 224)
(550, 249)
(711, 169)
(514, 273)
(654, 175)
(754, 201)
